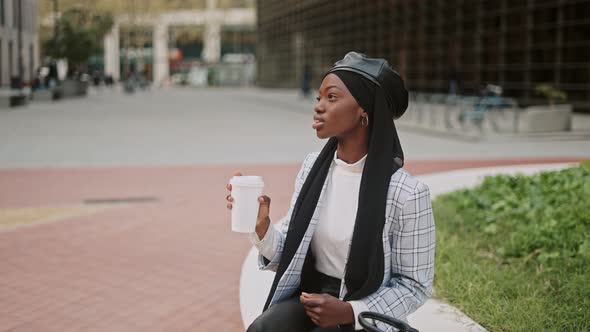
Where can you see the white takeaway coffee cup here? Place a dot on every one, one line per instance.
(245, 192)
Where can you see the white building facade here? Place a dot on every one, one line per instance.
(212, 19)
(11, 64)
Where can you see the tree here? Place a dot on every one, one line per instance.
(79, 36)
(83, 23)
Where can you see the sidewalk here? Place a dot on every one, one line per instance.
(150, 266)
(174, 127)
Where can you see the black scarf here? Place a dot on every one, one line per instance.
(365, 266)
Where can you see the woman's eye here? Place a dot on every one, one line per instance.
(331, 97)
(317, 98)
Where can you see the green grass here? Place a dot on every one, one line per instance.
(514, 253)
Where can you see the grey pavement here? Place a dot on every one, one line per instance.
(181, 126)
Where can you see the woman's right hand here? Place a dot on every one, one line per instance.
(263, 219)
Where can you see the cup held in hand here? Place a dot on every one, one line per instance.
(245, 193)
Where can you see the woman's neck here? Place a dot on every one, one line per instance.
(351, 150)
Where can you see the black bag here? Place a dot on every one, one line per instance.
(401, 326)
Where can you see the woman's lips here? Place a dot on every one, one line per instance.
(317, 125)
(318, 122)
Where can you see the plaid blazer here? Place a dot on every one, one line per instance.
(408, 246)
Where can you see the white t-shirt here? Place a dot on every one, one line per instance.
(331, 239)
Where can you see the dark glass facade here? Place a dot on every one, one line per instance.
(516, 44)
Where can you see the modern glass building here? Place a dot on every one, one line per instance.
(19, 46)
(516, 44)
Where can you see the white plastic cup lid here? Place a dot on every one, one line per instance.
(247, 181)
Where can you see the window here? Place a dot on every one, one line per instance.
(10, 60)
(1, 64)
(15, 4)
(32, 72)
(1, 12)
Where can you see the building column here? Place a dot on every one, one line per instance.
(160, 54)
(111, 53)
(211, 4)
(212, 43)
(212, 35)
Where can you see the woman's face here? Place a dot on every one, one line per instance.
(337, 112)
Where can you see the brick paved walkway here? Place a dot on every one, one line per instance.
(168, 263)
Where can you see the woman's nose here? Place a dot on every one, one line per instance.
(318, 108)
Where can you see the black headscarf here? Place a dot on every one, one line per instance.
(384, 98)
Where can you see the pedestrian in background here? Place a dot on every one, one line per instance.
(306, 81)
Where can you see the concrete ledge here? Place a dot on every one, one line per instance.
(435, 315)
(73, 88)
(545, 119)
(459, 116)
(43, 95)
(14, 97)
(4, 102)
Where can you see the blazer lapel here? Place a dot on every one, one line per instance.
(314, 219)
(297, 262)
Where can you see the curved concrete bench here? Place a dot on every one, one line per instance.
(434, 315)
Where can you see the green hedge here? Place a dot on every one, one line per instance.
(514, 253)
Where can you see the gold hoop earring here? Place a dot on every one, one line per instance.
(365, 121)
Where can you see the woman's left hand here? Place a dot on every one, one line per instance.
(326, 310)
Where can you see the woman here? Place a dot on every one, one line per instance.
(359, 235)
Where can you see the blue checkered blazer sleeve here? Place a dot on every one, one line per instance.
(283, 224)
(412, 239)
